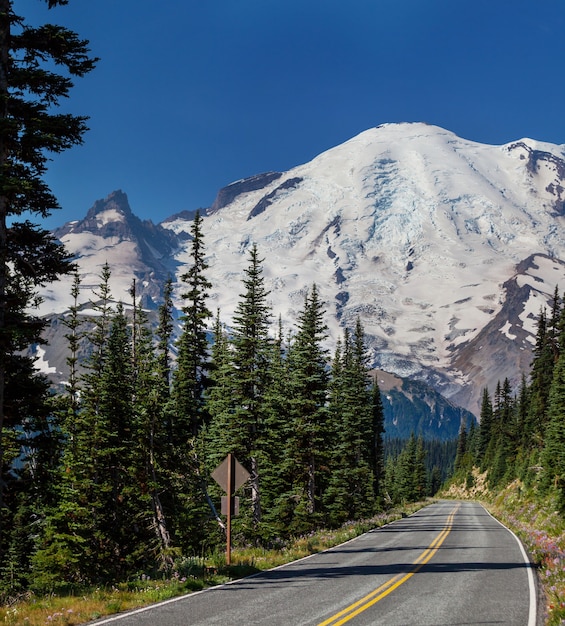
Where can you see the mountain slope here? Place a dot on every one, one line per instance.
(445, 248)
(134, 249)
(418, 232)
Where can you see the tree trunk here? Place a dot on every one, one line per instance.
(159, 520)
(311, 487)
(255, 495)
(4, 341)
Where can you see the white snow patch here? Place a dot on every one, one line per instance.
(109, 215)
(505, 330)
(41, 363)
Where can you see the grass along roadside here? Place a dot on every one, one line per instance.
(542, 531)
(540, 527)
(192, 574)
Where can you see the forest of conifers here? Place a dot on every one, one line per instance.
(522, 431)
(110, 478)
(114, 477)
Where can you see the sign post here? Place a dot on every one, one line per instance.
(230, 475)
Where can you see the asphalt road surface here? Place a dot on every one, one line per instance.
(449, 563)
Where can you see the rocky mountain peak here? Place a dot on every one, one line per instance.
(108, 217)
(444, 248)
(133, 248)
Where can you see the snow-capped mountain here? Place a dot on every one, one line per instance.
(111, 233)
(445, 248)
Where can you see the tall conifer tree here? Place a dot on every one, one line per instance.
(541, 377)
(352, 480)
(377, 461)
(189, 380)
(309, 440)
(553, 454)
(486, 426)
(30, 129)
(251, 355)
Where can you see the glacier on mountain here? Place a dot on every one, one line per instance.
(427, 237)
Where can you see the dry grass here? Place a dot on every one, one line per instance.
(92, 604)
(538, 524)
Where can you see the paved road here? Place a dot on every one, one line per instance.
(450, 563)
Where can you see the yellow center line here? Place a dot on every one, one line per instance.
(380, 592)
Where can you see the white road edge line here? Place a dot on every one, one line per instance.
(144, 609)
(532, 616)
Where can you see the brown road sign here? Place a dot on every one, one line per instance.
(239, 474)
(234, 505)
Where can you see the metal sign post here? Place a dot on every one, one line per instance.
(230, 475)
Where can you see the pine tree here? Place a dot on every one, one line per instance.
(240, 381)
(461, 448)
(309, 440)
(351, 483)
(114, 426)
(486, 426)
(73, 323)
(189, 381)
(501, 451)
(420, 475)
(187, 414)
(276, 469)
(541, 377)
(377, 451)
(405, 472)
(164, 333)
(29, 131)
(251, 353)
(553, 454)
(473, 442)
(390, 485)
(149, 450)
(74, 547)
(219, 397)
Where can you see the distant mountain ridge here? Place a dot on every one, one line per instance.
(445, 248)
(133, 248)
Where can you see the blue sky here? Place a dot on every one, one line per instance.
(190, 95)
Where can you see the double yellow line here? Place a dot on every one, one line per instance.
(380, 592)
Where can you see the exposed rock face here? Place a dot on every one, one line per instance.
(412, 407)
(444, 248)
(134, 249)
(228, 194)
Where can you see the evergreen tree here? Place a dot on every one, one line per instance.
(541, 377)
(164, 333)
(149, 451)
(219, 397)
(353, 433)
(553, 454)
(276, 470)
(390, 485)
(503, 443)
(420, 474)
(241, 379)
(115, 505)
(309, 439)
(405, 473)
(377, 452)
(74, 547)
(29, 255)
(486, 426)
(73, 323)
(187, 415)
(473, 441)
(461, 448)
(189, 381)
